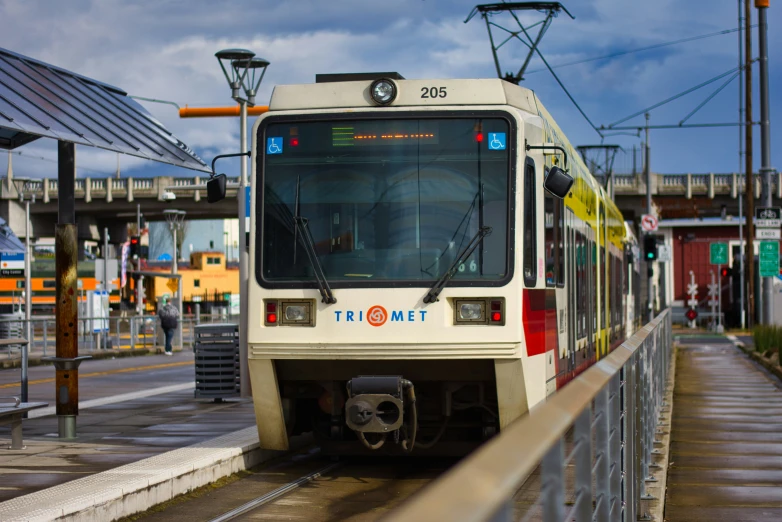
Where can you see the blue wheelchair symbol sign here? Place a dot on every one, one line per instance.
(273, 145)
(496, 141)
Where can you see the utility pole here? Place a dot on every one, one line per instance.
(739, 196)
(648, 175)
(750, 179)
(765, 142)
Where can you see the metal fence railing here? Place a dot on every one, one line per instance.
(130, 332)
(593, 443)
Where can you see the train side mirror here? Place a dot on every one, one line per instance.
(215, 188)
(558, 182)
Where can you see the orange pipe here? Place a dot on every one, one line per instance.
(216, 112)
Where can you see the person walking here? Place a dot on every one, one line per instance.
(169, 319)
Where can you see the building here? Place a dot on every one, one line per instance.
(206, 279)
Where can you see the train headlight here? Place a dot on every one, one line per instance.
(299, 312)
(486, 310)
(471, 311)
(296, 312)
(383, 91)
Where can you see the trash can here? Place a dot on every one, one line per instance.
(216, 361)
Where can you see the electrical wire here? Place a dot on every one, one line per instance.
(639, 49)
(562, 85)
(709, 98)
(675, 97)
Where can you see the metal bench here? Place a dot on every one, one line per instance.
(12, 414)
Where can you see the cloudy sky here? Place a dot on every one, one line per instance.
(165, 49)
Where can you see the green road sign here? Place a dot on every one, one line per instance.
(718, 253)
(769, 258)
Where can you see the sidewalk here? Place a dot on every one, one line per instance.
(112, 435)
(726, 451)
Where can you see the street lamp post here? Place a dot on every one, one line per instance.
(21, 186)
(246, 73)
(175, 219)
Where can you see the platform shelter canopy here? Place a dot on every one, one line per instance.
(41, 100)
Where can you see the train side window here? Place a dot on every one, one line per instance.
(554, 216)
(530, 211)
(559, 220)
(551, 244)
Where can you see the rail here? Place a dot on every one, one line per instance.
(607, 416)
(131, 332)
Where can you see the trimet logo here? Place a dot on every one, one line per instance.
(377, 316)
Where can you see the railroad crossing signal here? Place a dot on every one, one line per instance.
(691, 314)
(718, 253)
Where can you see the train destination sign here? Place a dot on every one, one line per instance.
(769, 258)
(768, 217)
(718, 253)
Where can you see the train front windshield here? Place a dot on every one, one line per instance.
(385, 200)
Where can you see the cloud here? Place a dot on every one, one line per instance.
(165, 50)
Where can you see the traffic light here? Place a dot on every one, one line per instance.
(134, 246)
(650, 248)
(725, 272)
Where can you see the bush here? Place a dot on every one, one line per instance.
(767, 339)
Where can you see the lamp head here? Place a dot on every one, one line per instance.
(227, 57)
(251, 71)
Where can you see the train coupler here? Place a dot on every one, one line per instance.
(375, 404)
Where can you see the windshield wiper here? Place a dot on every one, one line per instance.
(438, 286)
(309, 247)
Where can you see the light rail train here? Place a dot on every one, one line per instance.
(415, 283)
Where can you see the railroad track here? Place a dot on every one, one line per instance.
(309, 486)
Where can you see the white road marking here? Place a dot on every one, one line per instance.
(113, 399)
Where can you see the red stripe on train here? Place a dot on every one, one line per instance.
(539, 317)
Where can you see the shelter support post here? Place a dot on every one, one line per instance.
(66, 309)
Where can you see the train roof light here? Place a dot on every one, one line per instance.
(383, 91)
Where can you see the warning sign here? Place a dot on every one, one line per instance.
(173, 285)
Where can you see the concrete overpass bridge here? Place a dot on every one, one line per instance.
(111, 202)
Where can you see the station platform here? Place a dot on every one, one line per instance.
(142, 438)
(726, 436)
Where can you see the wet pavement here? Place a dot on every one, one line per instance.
(726, 450)
(122, 431)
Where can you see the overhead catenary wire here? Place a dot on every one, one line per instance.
(672, 98)
(710, 97)
(639, 49)
(562, 85)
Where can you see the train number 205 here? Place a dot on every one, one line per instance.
(433, 92)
